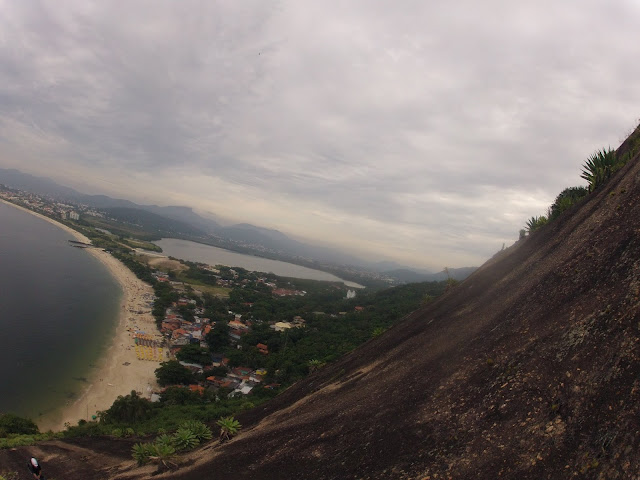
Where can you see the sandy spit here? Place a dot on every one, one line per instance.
(119, 371)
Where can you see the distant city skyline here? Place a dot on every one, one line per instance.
(416, 132)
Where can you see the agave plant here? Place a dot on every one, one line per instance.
(599, 167)
(535, 223)
(184, 439)
(229, 427)
(199, 429)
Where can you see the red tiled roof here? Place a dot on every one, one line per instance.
(196, 388)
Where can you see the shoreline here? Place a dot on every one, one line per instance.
(118, 371)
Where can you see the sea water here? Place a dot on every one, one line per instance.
(58, 312)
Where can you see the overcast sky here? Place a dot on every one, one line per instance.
(421, 131)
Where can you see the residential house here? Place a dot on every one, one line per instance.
(194, 367)
(281, 326)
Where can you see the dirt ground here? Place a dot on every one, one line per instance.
(164, 263)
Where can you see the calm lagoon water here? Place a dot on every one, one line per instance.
(58, 311)
(197, 252)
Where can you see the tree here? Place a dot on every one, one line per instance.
(194, 354)
(10, 423)
(172, 373)
(180, 396)
(128, 409)
(218, 337)
(565, 199)
(220, 371)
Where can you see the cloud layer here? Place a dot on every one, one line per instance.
(406, 130)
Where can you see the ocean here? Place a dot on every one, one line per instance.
(58, 312)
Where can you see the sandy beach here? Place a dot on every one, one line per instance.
(119, 371)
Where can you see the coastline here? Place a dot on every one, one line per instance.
(119, 371)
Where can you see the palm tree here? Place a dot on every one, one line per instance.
(229, 427)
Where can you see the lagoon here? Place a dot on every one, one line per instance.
(197, 252)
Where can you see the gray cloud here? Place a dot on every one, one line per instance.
(423, 132)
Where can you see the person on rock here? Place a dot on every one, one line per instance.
(35, 469)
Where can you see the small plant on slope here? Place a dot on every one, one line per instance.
(164, 440)
(229, 427)
(199, 429)
(141, 452)
(534, 223)
(184, 439)
(314, 365)
(377, 332)
(163, 454)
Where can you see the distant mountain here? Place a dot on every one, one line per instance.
(151, 222)
(186, 215)
(410, 276)
(259, 235)
(390, 265)
(278, 241)
(45, 186)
